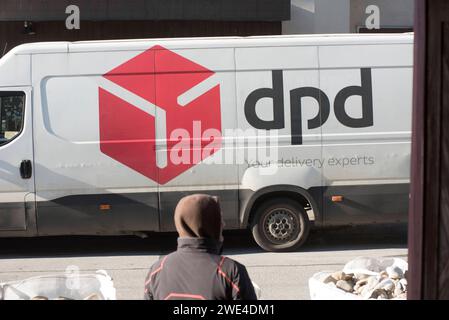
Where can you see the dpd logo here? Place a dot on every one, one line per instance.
(147, 142)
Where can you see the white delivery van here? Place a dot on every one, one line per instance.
(104, 137)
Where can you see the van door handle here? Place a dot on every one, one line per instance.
(26, 169)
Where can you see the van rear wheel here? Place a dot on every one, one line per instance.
(280, 225)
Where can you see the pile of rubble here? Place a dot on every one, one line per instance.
(388, 284)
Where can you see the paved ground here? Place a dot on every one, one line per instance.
(280, 275)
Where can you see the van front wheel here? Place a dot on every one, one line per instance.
(280, 225)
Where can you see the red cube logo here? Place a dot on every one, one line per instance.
(170, 139)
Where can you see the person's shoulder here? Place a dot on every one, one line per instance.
(230, 261)
(231, 265)
(162, 260)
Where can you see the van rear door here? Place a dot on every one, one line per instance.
(16, 159)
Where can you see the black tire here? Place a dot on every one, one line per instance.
(280, 224)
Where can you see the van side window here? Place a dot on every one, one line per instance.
(12, 108)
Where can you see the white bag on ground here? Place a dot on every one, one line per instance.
(373, 266)
(75, 286)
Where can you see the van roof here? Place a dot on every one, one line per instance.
(290, 36)
(214, 42)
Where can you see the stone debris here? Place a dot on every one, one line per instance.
(346, 285)
(394, 272)
(390, 283)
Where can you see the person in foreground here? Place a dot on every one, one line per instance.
(197, 270)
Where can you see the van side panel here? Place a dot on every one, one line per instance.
(98, 138)
(366, 140)
(195, 89)
(269, 110)
(15, 70)
(364, 204)
(80, 189)
(83, 214)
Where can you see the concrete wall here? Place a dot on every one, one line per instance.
(318, 16)
(393, 13)
(340, 16)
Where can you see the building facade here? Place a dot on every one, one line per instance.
(348, 16)
(23, 21)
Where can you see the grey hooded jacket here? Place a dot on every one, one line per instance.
(197, 271)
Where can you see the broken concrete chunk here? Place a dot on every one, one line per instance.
(345, 285)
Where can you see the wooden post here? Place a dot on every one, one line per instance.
(429, 203)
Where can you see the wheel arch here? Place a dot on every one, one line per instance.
(250, 203)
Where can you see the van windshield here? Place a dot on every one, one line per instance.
(11, 115)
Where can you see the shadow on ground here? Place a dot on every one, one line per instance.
(236, 242)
